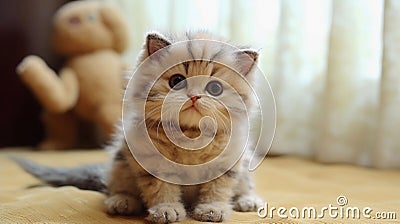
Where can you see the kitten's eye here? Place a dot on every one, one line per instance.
(214, 88)
(177, 82)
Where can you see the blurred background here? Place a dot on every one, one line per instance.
(333, 65)
(25, 28)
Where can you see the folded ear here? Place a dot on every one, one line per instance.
(246, 59)
(113, 19)
(155, 41)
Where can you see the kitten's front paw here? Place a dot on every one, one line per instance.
(122, 204)
(167, 213)
(247, 203)
(212, 212)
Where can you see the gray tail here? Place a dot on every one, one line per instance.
(86, 177)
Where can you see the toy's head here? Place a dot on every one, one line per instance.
(85, 26)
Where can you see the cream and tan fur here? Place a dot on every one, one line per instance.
(131, 188)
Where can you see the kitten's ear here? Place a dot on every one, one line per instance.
(246, 59)
(155, 42)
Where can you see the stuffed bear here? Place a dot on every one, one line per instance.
(91, 36)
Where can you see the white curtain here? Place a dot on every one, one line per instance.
(334, 66)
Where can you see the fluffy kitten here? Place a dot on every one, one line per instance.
(132, 188)
(224, 71)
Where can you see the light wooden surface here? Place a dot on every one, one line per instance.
(282, 181)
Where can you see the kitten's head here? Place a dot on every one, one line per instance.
(198, 74)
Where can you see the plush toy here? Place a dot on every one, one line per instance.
(91, 36)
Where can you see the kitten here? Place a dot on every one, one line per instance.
(131, 187)
(201, 76)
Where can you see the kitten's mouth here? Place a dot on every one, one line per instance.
(192, 108)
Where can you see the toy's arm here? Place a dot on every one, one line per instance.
(56, 93)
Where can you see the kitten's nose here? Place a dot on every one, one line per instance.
(194, 98)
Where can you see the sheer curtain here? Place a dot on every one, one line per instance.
(333, 65)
